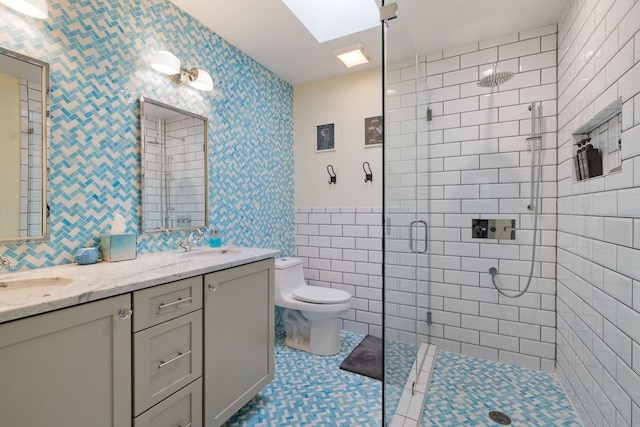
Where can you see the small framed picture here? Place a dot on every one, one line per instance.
(373, 131)
(325, 137)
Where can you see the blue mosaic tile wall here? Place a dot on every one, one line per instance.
(98, 51)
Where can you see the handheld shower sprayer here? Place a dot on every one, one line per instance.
(535, 139)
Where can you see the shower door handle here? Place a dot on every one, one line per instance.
(413, 243)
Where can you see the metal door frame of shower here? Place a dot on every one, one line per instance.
(384, 220)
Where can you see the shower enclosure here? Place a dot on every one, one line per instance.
(468, 152)
(406, 220)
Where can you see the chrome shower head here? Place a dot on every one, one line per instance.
(495, 78)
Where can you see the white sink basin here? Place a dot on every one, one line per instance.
(211, 252)
(35, 286)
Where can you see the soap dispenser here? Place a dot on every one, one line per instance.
(214, 239)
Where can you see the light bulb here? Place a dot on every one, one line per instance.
(202, 82)
(165, 62)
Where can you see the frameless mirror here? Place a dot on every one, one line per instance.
(174, 167)
(24, 87)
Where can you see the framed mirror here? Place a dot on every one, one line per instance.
(24, 94)
(174, 167)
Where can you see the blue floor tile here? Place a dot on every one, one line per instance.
(310, 390)
(464, 389)
(399, 359)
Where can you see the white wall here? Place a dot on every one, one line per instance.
(10, 159)
(345, 101)
(473, 162)
(339, 227)
(598, 220)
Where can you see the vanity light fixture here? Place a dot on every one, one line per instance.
(35, 8)
(167, 63)
(352, 55)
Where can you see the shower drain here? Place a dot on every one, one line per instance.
(500, 418)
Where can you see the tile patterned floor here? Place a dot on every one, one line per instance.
(464, 389)
(399, 359)
(409, 410)
(311, 391)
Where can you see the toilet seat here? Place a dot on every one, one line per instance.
(320, 295)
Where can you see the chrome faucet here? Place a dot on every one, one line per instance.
(191, 240)
(5, 262)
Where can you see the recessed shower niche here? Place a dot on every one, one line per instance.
(597, 144)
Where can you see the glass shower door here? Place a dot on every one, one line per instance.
(405, 225)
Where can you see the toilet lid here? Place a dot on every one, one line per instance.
(320, 295)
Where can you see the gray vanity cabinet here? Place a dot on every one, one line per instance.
(69, 368)
(238, 337)
(167, 354)
(192, 355)
(181, 409)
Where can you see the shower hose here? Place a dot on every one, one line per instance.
(534, 206)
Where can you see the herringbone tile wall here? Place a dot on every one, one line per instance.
(98, 51)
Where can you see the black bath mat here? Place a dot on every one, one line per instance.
(366, 358)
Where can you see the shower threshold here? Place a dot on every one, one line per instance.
(409, 410)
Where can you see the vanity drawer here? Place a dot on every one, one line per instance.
(165, 302)
(182, 409)
(167, 357)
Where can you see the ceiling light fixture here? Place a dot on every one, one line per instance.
(167, 63)
(352, 55)
(35, 8)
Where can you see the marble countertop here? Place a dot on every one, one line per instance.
(105, 279)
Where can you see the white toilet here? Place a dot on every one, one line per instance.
(310, 313)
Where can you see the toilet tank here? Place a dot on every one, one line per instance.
(288, 276)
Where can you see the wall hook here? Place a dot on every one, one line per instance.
(332, 174)
(368, 175)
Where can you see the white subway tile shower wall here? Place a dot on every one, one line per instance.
(177, 150)
(598, 236)
(185, 147)
(473, 162)
(342, 248)
(154, 160)
(30, 158)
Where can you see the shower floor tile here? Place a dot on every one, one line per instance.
(464, 389)
(310, 390)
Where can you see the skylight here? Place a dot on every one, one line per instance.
(331, 19)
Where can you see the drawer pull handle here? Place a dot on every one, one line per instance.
(186, 425)
(169, 304)
(213, 287)
(178, 357)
